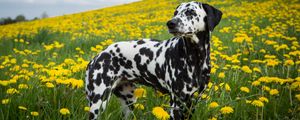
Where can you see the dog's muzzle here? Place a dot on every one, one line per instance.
(173, 25)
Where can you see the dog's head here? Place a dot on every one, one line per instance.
(192, 17)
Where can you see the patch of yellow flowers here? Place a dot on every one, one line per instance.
(250, 62)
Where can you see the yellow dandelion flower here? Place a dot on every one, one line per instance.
(22, 108)
(226, 110)
(272, 62)
(295, 85)
(87, 109)
(49, 85)
(262, 50)
(213, 70)
(255, 83)
(4, 82)
(227, 87)
(78, 48)
(139, 106)
(94, 49)
(160, 113)
(289, 63)
(64, 111)
(99, 47)
(221, 75)
(274, 92)
(204, 96)
(257, 103)
(140, 92)
(34, 113)
(245, 89)
(5, 101)
(248, 101)
(213, 118)
(297, 79)
(216, 88)
(21, 40)
(266, 88)
(13, 61)
(196, 94)
(77, 83)
(209, 85)
(109, 41)
(23, 86)
(25, 65)
(263, 99)
(213, 105)
(246, 69)
(255, 69)
(298, 96)
(12, 91)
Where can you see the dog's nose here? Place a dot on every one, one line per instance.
(172, 23)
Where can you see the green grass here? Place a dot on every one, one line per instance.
(48, 101)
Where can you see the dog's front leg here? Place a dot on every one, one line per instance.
(175, 111)
(180, 107)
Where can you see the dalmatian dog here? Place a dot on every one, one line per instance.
(179, 66)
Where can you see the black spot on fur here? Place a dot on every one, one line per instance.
(140, 42)
(158, 51)
(175, 13)
(160, 72)
(96, 111)
(157, 44)
(197, 18)
(91, 116)
(98, 81)
(126, 74)
(96, 98)
(147, 52)
(128, 64)
(155, 40)
(137, 58)
(91, 96)
(118, 50)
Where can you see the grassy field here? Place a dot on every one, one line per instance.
(255, 56)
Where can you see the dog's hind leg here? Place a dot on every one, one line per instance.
(98, 100)
(125, 92)
(98, 91)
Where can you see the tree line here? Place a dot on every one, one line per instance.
(19, 18)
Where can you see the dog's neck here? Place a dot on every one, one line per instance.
(198, 43)
(198, 47)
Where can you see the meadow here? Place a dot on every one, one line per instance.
(255, 57)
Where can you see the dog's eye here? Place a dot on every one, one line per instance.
(190, 12)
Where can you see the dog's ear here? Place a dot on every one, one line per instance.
(213, 16)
